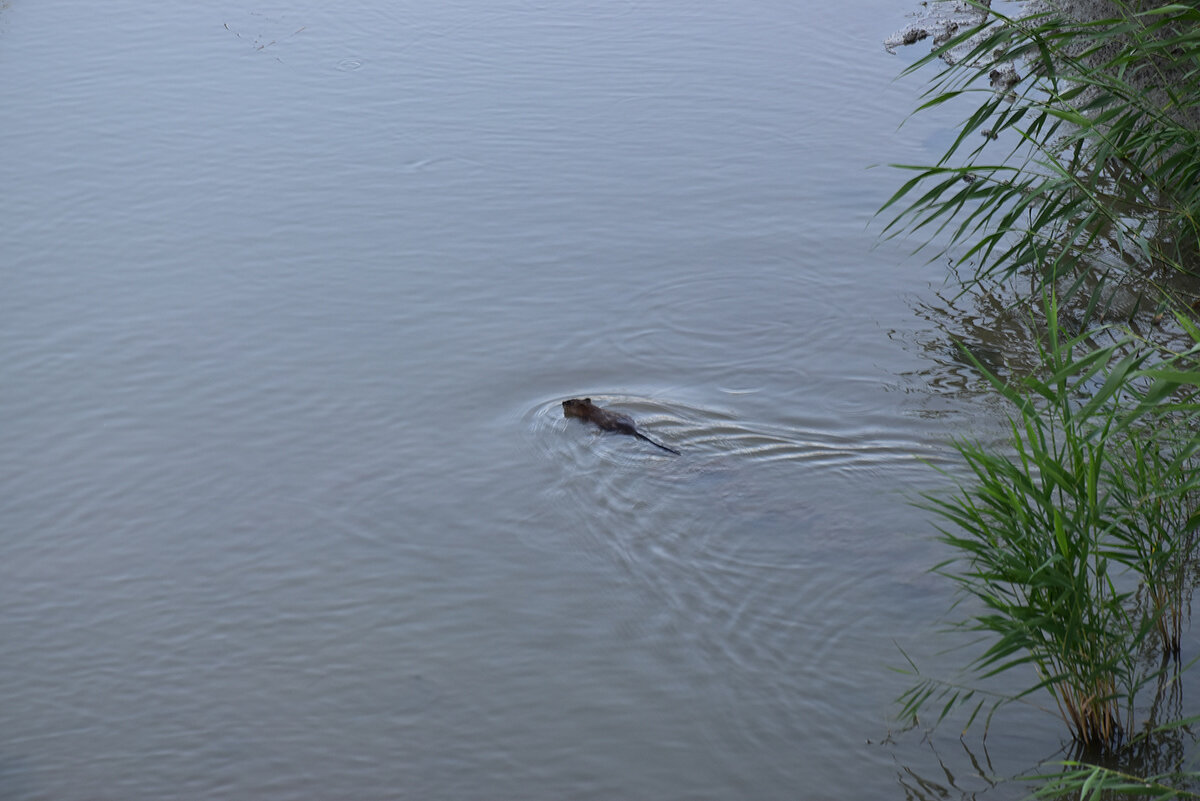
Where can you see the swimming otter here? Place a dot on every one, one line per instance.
(610, 421)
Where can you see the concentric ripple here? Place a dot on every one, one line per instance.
(729, 318)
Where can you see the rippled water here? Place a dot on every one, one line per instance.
(293, 294)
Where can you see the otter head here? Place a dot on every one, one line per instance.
(576, 407)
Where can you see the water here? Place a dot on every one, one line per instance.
(288, 506)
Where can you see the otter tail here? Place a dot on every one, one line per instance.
(640, 435)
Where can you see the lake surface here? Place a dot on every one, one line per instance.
(288, 507)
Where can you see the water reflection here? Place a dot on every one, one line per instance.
(983, 320)
(940, 767)
(944, 780)
(263, 33)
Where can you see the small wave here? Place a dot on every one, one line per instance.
(696, 317)
(716, 439)
(753, 576)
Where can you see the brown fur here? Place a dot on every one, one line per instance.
(585, 410)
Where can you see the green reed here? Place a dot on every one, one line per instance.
(1095, 504)
(1075, 547)
(1152, 479)
(1081, 157)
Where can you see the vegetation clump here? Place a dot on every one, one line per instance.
(1093, 508)
(1077, 170)
(1081, 158)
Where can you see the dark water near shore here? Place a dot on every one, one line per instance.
(288, 508)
